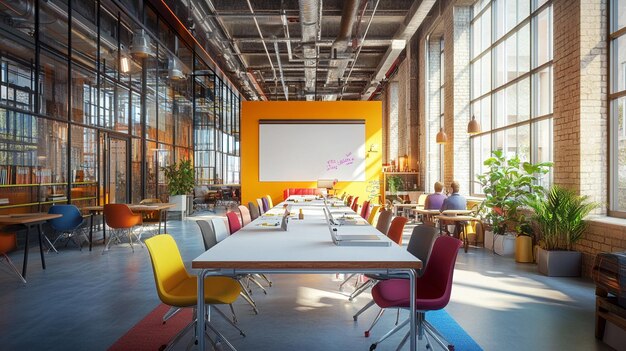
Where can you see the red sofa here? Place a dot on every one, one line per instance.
(300, 191)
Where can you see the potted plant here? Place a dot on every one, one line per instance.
(180, 182)
(559, 215)
(524, 241)
(395, 184)
(507, 184)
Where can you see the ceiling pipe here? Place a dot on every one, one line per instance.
(310, 17)
(256, 23)
(280, 71)
(283, 19)
(356, 57)
(341, 49)
(410, 25)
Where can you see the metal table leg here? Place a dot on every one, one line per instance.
(25, 264)
(91, 231)
(413, 327)
(43, 260)
(200, 311)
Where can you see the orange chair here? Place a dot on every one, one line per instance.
(233, 222)
(8, 242)
(120, 218)
(396, 228)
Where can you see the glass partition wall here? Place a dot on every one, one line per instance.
(93, 102)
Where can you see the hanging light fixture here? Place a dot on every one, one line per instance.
(473, 127)
(142, 44)
(124, 64)
(442, 137)
(174, 66)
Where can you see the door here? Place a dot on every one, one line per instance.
(117, 174)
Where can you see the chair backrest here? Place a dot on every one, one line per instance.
(266, 205)
(8, 242)
(413, 196)
(384, 220)
(355, 204)
(395, 229)
(71, 217)
(245, 215)
(348, 201)
(270, 203)
(440, 269)
(167, 266)
(220, 229)
(365, 209)
(208, 234)
(260, 203)
(254, 210)
(119, 216)
(421, 243)
(372, 215)
(421, 201)
(233, 222)
(343, 196)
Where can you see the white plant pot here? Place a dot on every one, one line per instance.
(180, 202)
(503, 245)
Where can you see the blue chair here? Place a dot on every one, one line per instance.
(70, 225)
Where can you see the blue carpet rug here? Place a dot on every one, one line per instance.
(452, 331)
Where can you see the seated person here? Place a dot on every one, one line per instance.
(435, 200)
(455, 201)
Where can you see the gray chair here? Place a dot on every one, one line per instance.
(254, 211)
(384, 220)
(260, 203)
(420, 245)
(211, 238)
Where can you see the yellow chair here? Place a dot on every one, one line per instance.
(373, 214)
(177, 288)
(269, 201)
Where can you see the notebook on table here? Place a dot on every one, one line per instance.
(353, 239)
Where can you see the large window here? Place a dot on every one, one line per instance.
(617, 98)
(512, 81)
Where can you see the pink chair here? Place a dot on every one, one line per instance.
(432, 292)
(365, 209)
(355, 204)
(233, 222)
(245, 215)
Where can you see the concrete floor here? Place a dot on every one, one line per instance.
(87, 300)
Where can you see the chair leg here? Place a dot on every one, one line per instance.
(389, 333)
(229, 321)
(178, 337)
(369, 330)
(258, 284)
(10, 263)
(404, 339)
(50, 244)
(264, 277)
(346, 280)
(113, 236)
(361, 289)
(130, 240)
(246, 296)
(170, 313)
(210, 326)
(369, 304)
(429, 329)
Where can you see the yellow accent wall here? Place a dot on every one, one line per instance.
(253, 111)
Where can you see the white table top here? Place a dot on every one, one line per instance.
(306, 244)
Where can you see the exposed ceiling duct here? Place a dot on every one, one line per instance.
(341, 50)
(410, 25)
(309, 21)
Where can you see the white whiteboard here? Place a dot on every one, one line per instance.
(311, 151)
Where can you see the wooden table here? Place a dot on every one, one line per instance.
(29, 220)
(306, 248)
(428, 215)
(458, 228)
(161, 207)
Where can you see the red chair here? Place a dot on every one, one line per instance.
(8, 242)
(120, 218)
(365, 209)
(355, 204)
(348, 201)
(396, 228)
(432, 292)
(233, 222)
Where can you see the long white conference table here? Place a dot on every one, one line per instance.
(305, 247)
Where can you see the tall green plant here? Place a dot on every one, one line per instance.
(560, 217)
(180, 177)
(395, 183)
(507, 184)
